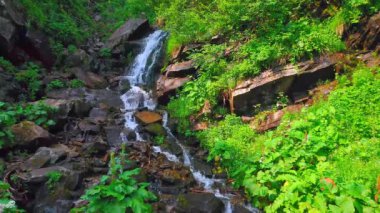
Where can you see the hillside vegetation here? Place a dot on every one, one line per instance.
(325, 158)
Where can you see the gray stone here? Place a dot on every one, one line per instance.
(202, 203)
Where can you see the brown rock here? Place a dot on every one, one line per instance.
(182, 69)
(289, 79)
(273, 120)
(147, 117)
(368, 37)
(167, 87)
(27, 132)
(90, 79)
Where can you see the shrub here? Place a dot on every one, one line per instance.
(12, 114)
(55, 84)
(30, 78)
(76, 83)
(53, 178)
(119, 190)
(324, 158)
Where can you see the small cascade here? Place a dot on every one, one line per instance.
(140, 96)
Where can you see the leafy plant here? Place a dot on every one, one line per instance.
(118, 191)
(30, 78)
(55, 84)
(7, 66)
(6, 203)
(105, 53)
(323, 159)
(11, 114)
(76, 83)
(53, 178)
(159, 140)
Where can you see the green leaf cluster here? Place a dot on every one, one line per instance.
(119, 191)
(12, 114)
(323, 159)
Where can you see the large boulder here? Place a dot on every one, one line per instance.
(167, 87)
(7, 35)
(181, 69)
(132, 29)
(27, 132)
(90, 79)
(36, 44)
(289, 79)
(199, 202)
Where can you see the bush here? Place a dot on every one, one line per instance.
(55, 84)
(30, 78)
(119, 190)
(76, 83)
(12, 114)
(323, 159)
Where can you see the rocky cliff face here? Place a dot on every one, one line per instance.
(18, 42)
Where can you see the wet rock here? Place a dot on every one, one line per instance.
(202, 203)
(132, 29)
(155, 129)
(180, 70)
(114, 135)
(27, 132)
(90, 79)
(105, 97)
(203, 167)
(147, 117)
(167, 87)
(45, 156)
(289, 79)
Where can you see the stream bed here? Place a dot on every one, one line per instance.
(140, 76)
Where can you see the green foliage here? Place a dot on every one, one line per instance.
(118, 191)
(257, 34)
(76, 83)
(105, 53)
(55, 84)
(30, 78)
(68, 21)
(159, 140)
(324, 159)
(7, 204)
(7, 66)
(12, 114)
(53, 178)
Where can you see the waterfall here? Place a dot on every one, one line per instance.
(140, 96)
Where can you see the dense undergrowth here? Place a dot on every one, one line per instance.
(261, 35)
(323, 159)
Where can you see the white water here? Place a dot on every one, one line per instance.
(137, 97)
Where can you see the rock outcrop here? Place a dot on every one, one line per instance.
(167, 87)
(368, 36)
(291, 80)
(18, 42)
(180, 70)
(132, 29)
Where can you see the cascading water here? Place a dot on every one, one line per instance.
(139, 96)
